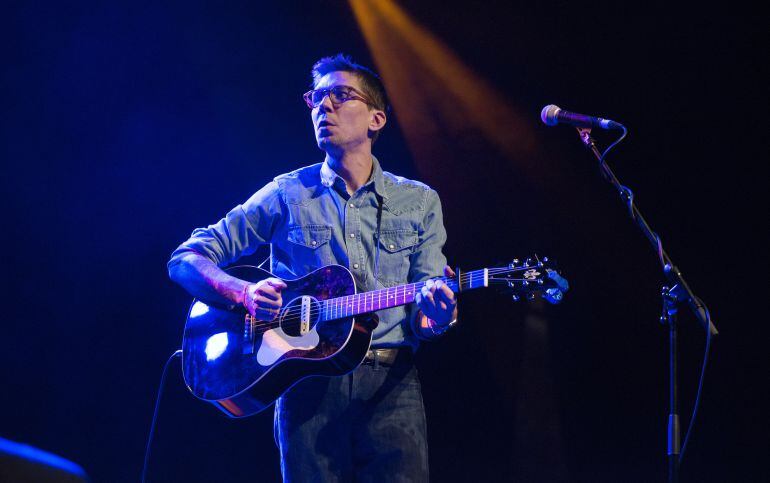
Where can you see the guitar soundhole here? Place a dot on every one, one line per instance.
(297, 319)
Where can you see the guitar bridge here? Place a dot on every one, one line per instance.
(304, 322)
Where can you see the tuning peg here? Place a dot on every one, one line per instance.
(540, 281)
(524, 283)
(530, 296)
(512, 284)
(515, 298)
(513, 263)
(528, 262)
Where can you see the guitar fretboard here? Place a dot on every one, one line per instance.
(362, 303)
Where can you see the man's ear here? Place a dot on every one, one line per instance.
(377, 120)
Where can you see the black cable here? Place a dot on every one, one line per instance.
(700, 384)
(155, 414)
(629, 196)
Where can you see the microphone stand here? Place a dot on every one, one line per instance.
(678, 292)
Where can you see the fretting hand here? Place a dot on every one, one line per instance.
(437, 301)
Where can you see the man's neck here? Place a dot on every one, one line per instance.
(355, 168)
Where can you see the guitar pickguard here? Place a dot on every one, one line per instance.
(275, 343)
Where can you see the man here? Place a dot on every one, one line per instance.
(369, 424)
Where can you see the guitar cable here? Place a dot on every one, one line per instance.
(177, 353)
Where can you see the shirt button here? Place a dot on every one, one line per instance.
(352, 235)
(314, 243)
(351, 205)
(391, 246)
(355, 265)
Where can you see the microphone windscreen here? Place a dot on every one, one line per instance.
(548, 115)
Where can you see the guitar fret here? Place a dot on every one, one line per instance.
(350, 305)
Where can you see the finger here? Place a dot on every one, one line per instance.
(446, 295)
(443, 289)
(422, 303)
(433, 285)
(266, 303)
(276, 283)
(448, 272)
(269, 292)
(427, 294)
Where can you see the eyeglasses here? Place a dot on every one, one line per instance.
(337, 94)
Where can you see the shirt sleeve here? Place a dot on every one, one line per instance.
(428, 260)
(239, 233)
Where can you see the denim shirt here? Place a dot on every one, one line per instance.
(310, 221)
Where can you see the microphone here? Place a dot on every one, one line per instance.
(553, 115)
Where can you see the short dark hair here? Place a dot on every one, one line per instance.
(371, 84)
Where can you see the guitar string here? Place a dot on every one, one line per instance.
(291, 320)
(260, 327)
(292, 314)
(465, 277)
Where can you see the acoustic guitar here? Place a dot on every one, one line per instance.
(242, 365)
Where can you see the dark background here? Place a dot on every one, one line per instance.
(124, 126)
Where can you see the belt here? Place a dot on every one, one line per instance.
(388, 357)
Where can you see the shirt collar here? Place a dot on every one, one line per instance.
(329, 177)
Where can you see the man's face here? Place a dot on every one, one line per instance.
(344, 126)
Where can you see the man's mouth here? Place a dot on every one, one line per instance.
(324, 123)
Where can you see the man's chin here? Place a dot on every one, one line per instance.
(325, 143)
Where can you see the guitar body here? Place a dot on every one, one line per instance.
(242, 366)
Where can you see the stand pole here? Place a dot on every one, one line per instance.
(669, 317)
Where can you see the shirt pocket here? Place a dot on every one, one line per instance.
(395, 247)
(310, 246)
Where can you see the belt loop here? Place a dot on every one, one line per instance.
(376, 359)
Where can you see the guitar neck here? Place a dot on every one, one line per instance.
(365, 302)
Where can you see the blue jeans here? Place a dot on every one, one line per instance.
(368, 425)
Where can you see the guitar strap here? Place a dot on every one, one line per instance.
(377, 244)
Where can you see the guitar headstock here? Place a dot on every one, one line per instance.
(530, 278)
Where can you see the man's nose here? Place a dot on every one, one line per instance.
(326, 103)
